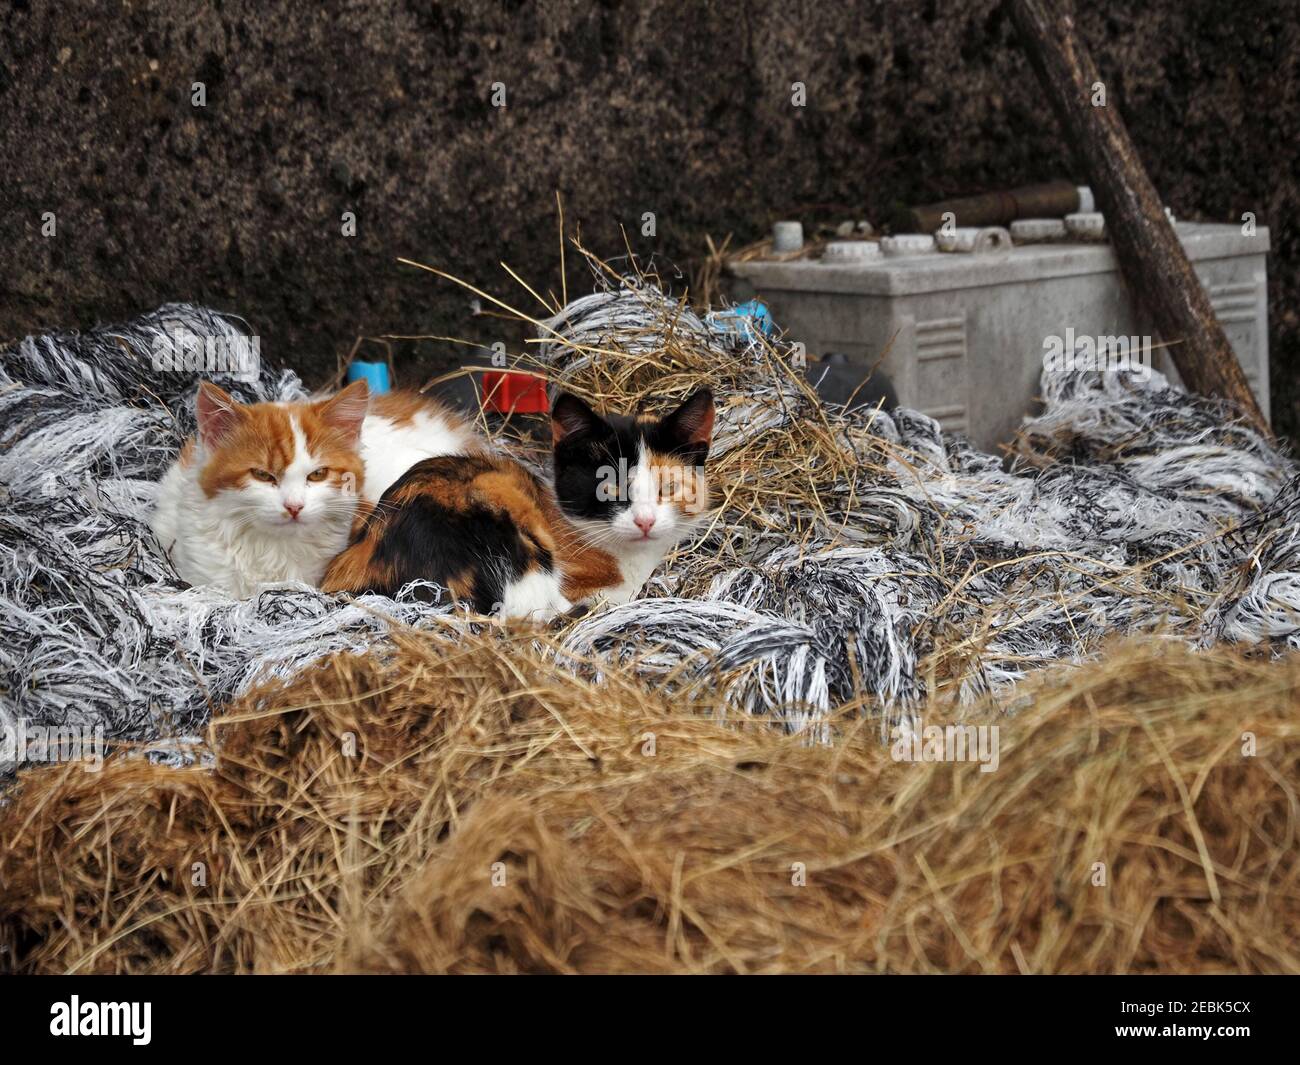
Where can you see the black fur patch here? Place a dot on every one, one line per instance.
(587, 459)
(424, 539)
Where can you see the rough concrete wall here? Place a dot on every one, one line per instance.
(684, 110)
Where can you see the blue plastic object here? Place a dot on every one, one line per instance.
(745, 319)
(373, 373)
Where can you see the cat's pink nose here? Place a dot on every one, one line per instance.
(294, 510)
(645, 523)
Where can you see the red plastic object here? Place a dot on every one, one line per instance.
(514, 393)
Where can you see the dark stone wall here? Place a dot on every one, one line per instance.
(682, 109)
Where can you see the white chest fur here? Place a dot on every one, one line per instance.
(636, 562)
(210, 547)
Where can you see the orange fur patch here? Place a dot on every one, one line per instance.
(262, 438)
(461, 585)
(687, 487)
(354, 569)
(587, 570)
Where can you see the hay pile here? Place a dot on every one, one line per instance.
(497, 815)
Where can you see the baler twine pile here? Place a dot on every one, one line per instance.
(862, 568)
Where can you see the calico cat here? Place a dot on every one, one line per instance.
(626, 490)
(267, 492)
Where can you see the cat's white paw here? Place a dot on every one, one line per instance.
(534, 597)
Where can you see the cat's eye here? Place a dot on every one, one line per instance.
(318, 474)
(262, 475)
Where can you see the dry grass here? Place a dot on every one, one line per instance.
(501, 816)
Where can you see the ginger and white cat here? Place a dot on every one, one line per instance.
(267, 492)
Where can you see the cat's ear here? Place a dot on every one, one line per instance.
(690, 426)
(347, 410)
(218, 413)
(570, 417)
